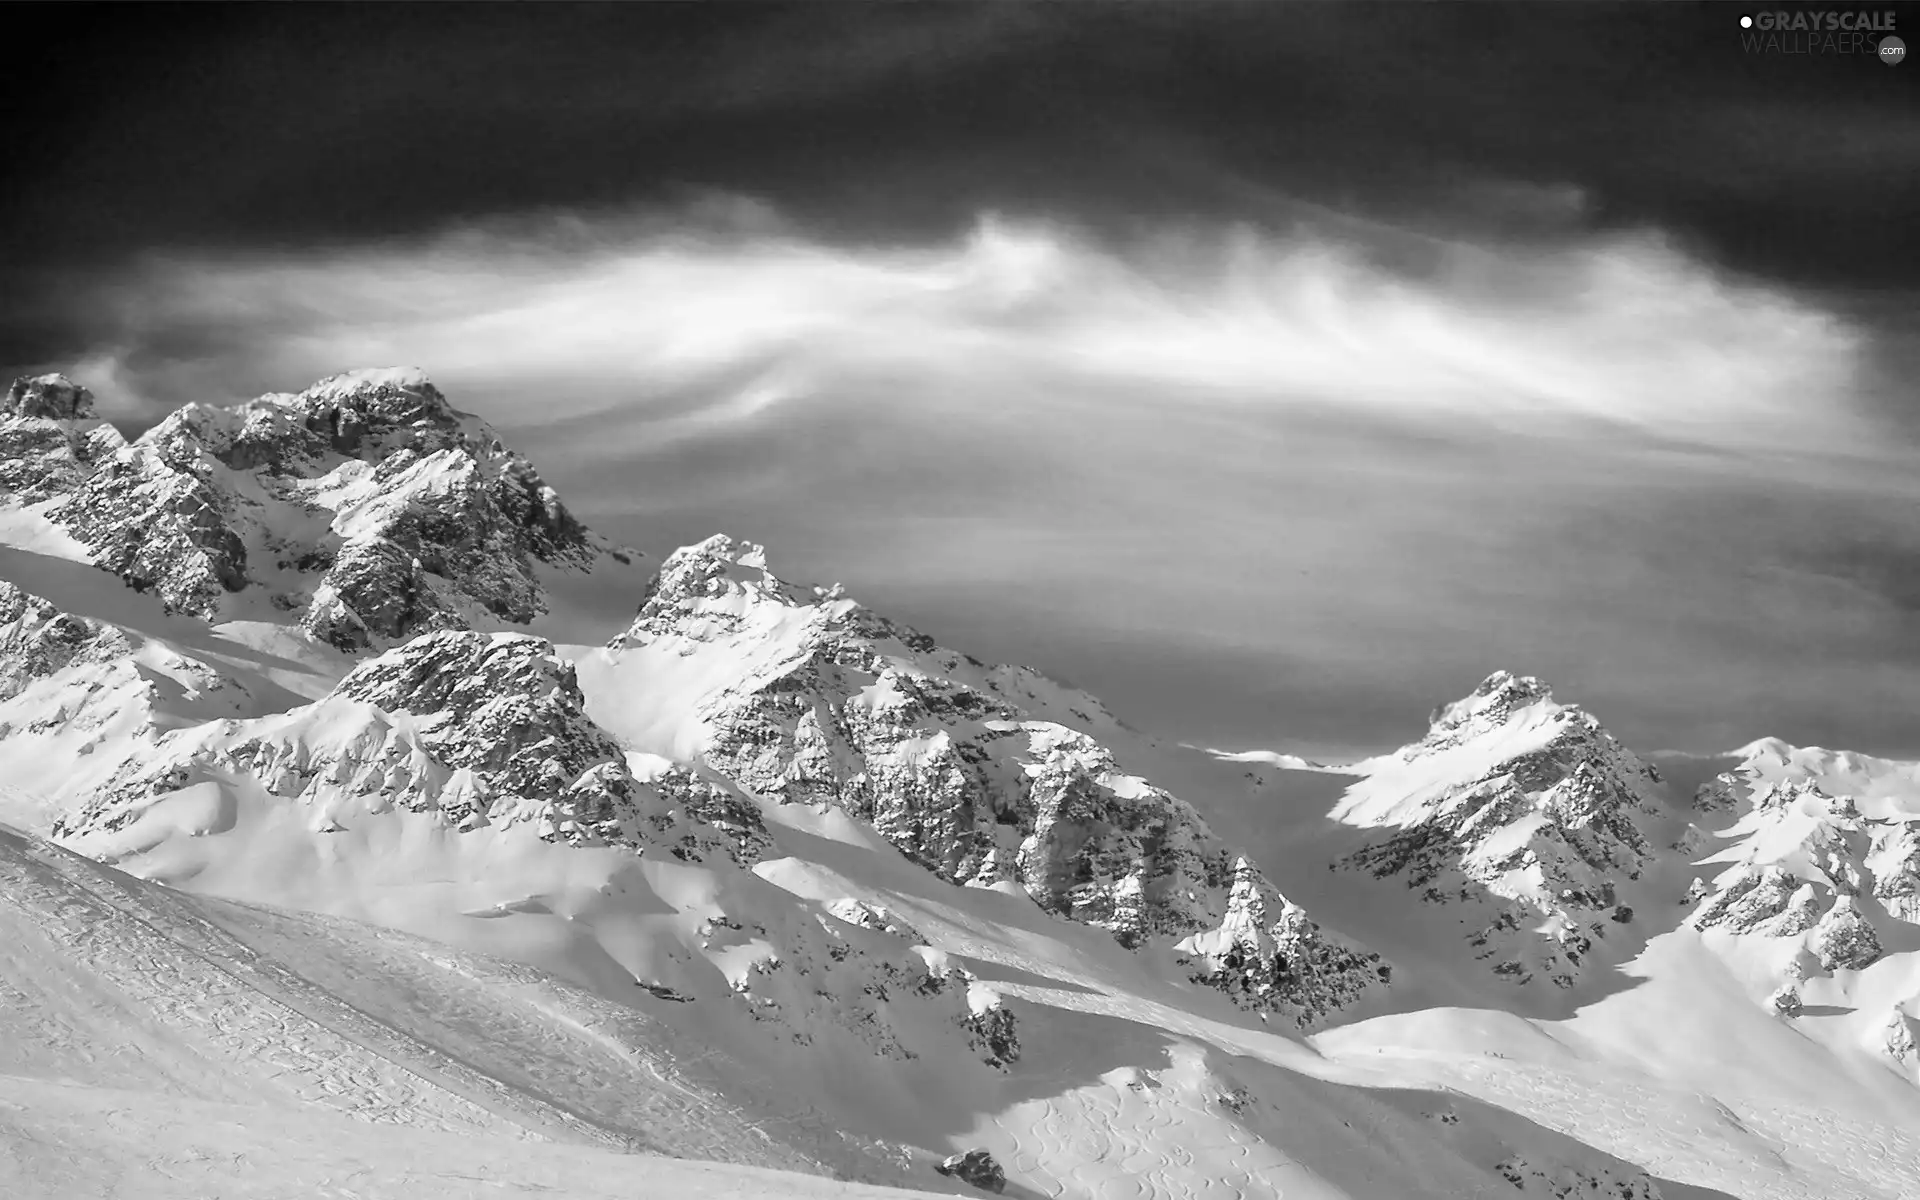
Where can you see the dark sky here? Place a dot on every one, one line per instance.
(1275, 370)
(130, 127)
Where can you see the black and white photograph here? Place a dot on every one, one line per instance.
(1066, 600)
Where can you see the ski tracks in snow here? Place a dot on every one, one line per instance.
(195, 995)
(1757, 1149)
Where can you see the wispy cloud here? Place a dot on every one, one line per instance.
(1621, 329)
(1349, 462)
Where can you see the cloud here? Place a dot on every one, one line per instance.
(1623, 329)
(1345, 469)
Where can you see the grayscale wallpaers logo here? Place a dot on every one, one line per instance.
(1834, 31)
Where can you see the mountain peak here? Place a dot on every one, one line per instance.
(407, 379)
(1519, 808)
(367, 502)
(49, 397)
(714, 586)
(1496, 699)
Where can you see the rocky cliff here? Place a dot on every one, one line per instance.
(803, 696)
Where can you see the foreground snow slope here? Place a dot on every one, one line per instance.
(156, 1012)
(164, 1045)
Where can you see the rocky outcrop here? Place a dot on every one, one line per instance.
(37, 640)
(47, 398)
(366, 503)
(991, 1028)
(809, 698)
(1900, 1038)
(478, 728)
(1809, 865)
(77, 680)
(49, 441)
(976, 1167)
(811, 978)
(875, 917)
(160, 527)
(1575, 1183)
(1521, 808)
(1265, 949)
(1893, 863)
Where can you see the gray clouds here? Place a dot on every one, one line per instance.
(1257, 488)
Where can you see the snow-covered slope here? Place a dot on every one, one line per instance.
(169, 1046)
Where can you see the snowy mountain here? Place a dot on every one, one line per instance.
(804, 696)
(1820, 879)
(1521, 811)
(366, 504)
(342, 837)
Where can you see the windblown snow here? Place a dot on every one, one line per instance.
(345, 856)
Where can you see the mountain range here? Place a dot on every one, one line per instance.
(341, 842)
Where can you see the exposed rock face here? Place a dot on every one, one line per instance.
(366, 502)
(1521, 807)
(1259, 963)
(976, 1167)
(44, 451)
(74, 679)
(1785, 1000)
(37, 640)
(1901, 1038)
(1800, 861)
(481, 728)
(47, 397)
(991, 1028)
(810, 698)
(1893, 861)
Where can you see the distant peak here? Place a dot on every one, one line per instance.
(392, 392)
(404, 379)
(1490, 703)
(48, 396)
(691, 569)
(1766, 747)
(719, 566)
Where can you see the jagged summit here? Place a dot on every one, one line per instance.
(366, 504)
(723, 585)
(47, 397)
(716, 575)
(1522, 809)
(1487, 706)
(359, 414)
(45, 449)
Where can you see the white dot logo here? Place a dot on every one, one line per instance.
(1746, 22)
